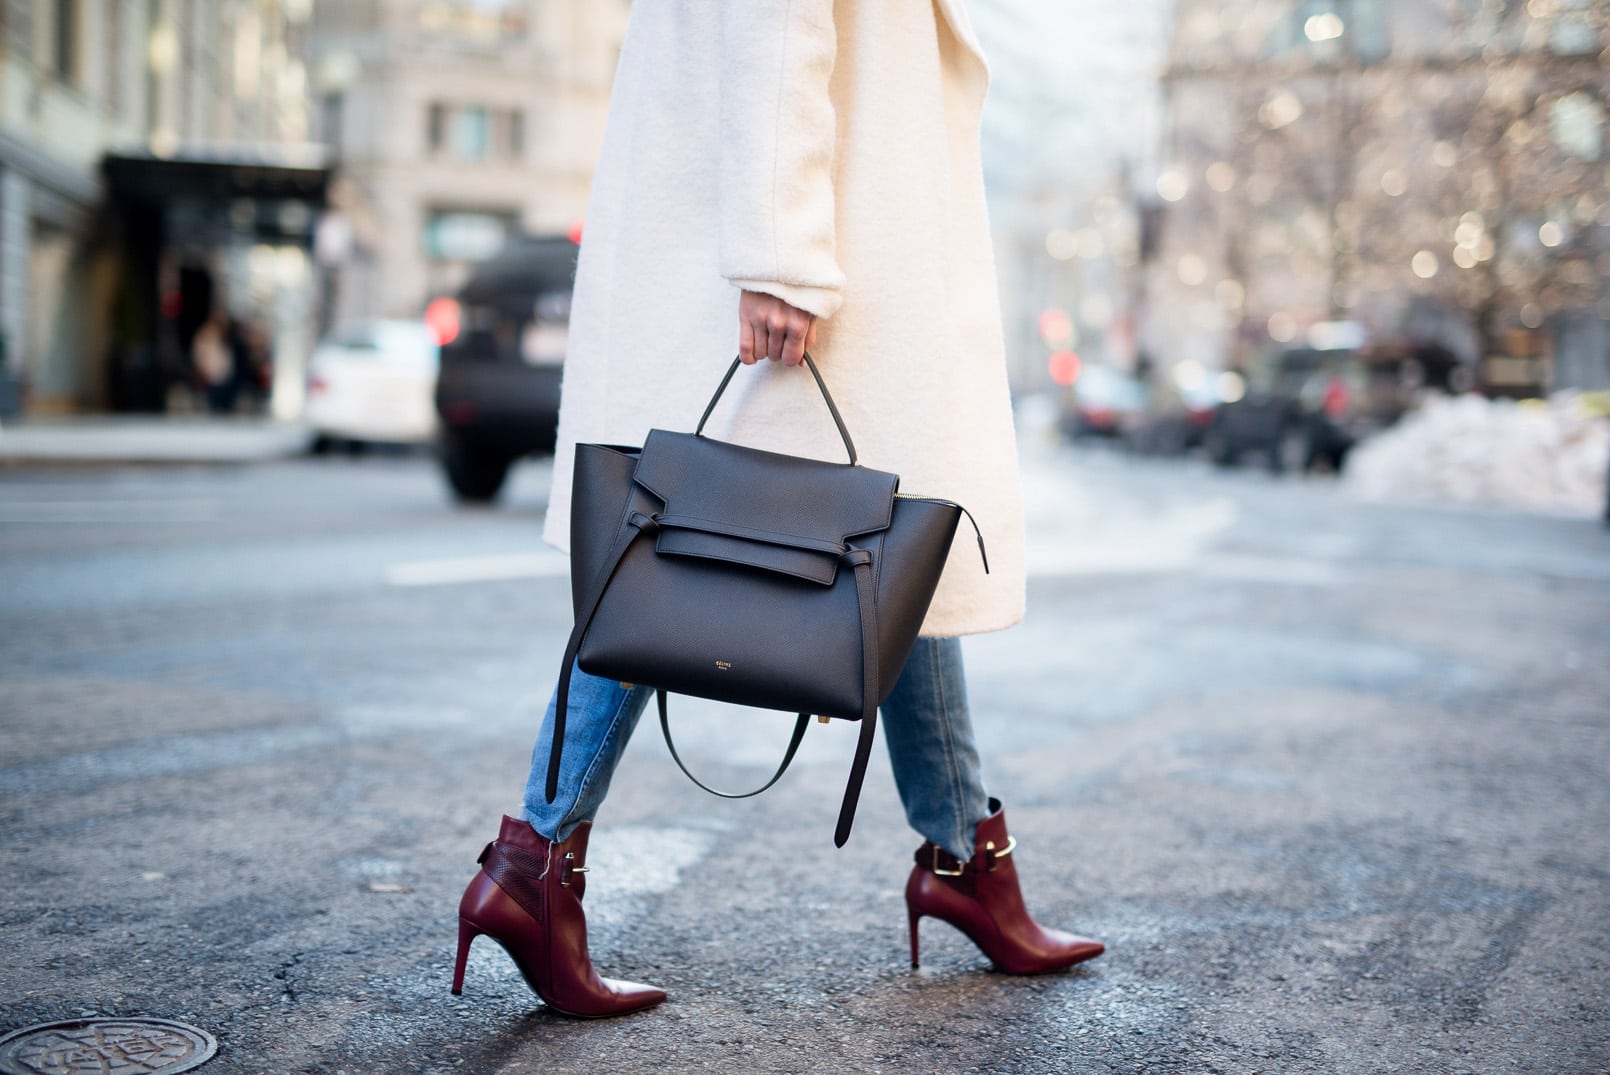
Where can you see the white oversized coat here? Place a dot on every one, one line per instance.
(826, 153)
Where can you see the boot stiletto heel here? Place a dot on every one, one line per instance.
(466, 934)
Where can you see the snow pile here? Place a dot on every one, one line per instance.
(1536, 455)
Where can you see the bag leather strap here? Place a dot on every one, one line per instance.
(827, 397)
(636, 524)
(859, 559)
(862, 562)
(800, 725)
(750, 533)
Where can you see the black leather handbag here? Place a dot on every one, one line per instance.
(745, 576)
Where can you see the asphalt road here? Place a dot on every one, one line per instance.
(1332, 780)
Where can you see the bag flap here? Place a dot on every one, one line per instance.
(771, 498)
(808, 564)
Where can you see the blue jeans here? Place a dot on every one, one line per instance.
(925, 720)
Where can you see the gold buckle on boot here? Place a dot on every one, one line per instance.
(961, 867)
(995, 856)
(564, 876)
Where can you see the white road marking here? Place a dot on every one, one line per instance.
(533, 565)
(110, 511)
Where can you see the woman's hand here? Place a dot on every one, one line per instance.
(770, 328)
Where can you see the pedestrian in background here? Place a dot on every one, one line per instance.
(814, 165)
(245, 346)
(214, 369)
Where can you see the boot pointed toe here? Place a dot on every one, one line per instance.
(636, 994)
(1084, 948)
(619, 998)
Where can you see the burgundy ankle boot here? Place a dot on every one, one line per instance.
(981, 898)
(527, 898)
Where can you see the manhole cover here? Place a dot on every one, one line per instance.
(115, 1046)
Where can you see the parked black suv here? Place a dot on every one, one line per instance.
(1306, 407)
(498, 389)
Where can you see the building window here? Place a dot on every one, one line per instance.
(516, 134)
(331, 109)
(475, 132)
(471, 137)
(113, 99)
(435, 126)
(64, 27)
(467, 234)
(475, 23)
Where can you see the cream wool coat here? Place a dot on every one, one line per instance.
(826, 153)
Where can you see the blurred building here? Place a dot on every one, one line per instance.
(454, 123)
(1069, 126)
(154, 179)
(1421, 168)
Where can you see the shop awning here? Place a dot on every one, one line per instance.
(281, 173)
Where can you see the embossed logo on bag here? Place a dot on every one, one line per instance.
(724, 665)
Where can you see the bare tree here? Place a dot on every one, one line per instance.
(1450, 154)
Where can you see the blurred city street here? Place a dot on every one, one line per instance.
(1330, 778)
(1304, 312)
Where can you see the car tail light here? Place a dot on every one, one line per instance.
(442, 319)
(1336, 399)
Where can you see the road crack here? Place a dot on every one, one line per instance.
(288, 991)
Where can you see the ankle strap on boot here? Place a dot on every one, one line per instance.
(941, 863)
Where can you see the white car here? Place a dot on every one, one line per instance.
(373, 382)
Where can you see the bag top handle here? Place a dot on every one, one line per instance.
(838, 420)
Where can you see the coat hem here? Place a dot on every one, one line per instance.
(990, 626)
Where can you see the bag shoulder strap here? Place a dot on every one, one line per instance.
(861, 560)
(637, 523)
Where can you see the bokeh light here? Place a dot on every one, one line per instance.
(1326, 26)
(1061, 244)
(1172, 185)
(1064, 367)
(442, 319)
(1055, 326)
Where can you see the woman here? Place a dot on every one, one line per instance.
(814, 164)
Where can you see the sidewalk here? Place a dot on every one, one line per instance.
(149, 439)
